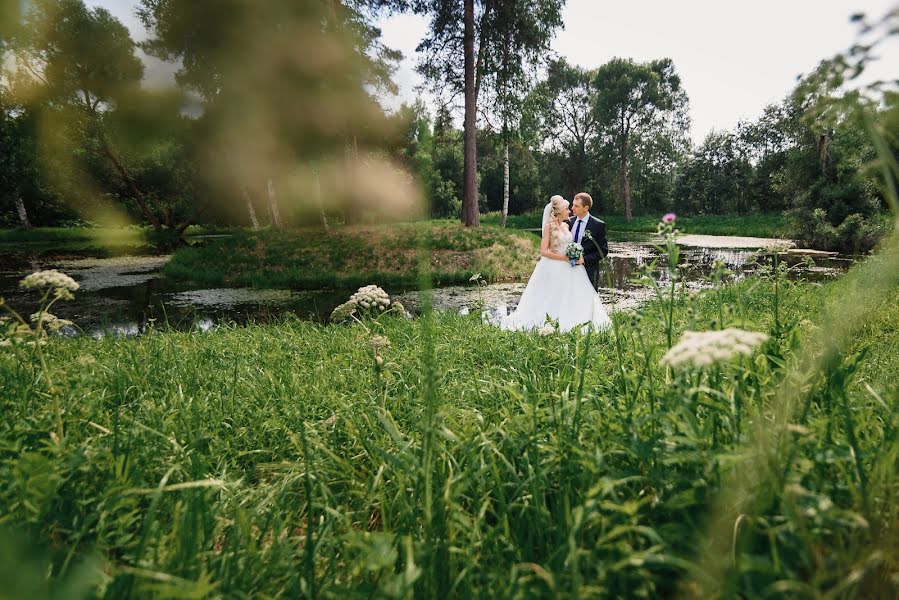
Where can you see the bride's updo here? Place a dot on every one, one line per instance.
(560, 206)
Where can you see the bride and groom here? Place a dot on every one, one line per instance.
(562, 289)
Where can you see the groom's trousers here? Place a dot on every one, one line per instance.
(592, 272)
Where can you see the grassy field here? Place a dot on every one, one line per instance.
(346, 257)
(461, 461)
(768, 225)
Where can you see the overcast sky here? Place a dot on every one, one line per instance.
(733, 57)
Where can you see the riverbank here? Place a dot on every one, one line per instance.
(99, 235)
(438, 456)
(389, 255)
(765, 225)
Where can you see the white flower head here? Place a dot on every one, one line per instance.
(704, 348)
(378, 342)
(371, 297)
(546, 330)
(50, 321)
(52, 279)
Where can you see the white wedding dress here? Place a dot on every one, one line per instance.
(558, 291)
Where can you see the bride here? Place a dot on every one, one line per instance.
(557, 290)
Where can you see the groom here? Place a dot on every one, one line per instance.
(582, 222)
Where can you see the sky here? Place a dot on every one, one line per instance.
(734, 58)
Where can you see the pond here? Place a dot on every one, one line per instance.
(122, 291)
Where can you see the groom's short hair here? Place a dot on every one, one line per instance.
(585, 199)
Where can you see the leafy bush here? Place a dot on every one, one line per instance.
(854, 235)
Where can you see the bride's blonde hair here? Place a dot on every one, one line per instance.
(559, 204)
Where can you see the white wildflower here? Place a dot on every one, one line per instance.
(5, 343)
(63, 294)
(344, 312)
(51, 279)
(704, 348)
(371, 297)
(378, 342)
(546, 330)
(50, 321)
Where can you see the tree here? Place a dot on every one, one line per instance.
(716, 178)
(559, 117)
(480, 32)
(630, 98)
(283, 83)
(84, 62)
(16, 158)
(521, 31)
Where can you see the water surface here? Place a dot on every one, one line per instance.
(123, 292)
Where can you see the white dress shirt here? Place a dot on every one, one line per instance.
(583, 221)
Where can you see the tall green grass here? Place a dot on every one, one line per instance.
(285, 460)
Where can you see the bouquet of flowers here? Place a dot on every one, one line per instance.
(574, 251)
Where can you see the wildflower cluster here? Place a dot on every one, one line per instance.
(34, 333)
(50, 321)
(377, 344)
(16, 331)
(60, 283)
(370, 300)
(704, 348)
(550, 326)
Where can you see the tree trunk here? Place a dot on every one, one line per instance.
(274, 215)
(470, 215)
(138, 195)
(352, 212)
(317, 192)
(253, 220)
(505, 183)
(23, 215)
(823, 151)
(626, 182)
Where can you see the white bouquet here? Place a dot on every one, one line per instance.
(574, 251)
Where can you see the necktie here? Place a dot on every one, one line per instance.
(577, 231)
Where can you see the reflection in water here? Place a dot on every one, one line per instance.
(122, 292)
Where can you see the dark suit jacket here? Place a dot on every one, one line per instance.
(597, 228)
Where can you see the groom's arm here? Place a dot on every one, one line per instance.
(598, 247)
(603, 242)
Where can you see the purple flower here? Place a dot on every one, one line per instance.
(669, 218)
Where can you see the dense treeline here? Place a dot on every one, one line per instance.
(820, 169)
(295, 141)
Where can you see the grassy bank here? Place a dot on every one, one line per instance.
(98, 235)
(767, 225)
(285, 460)
(353, 256)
